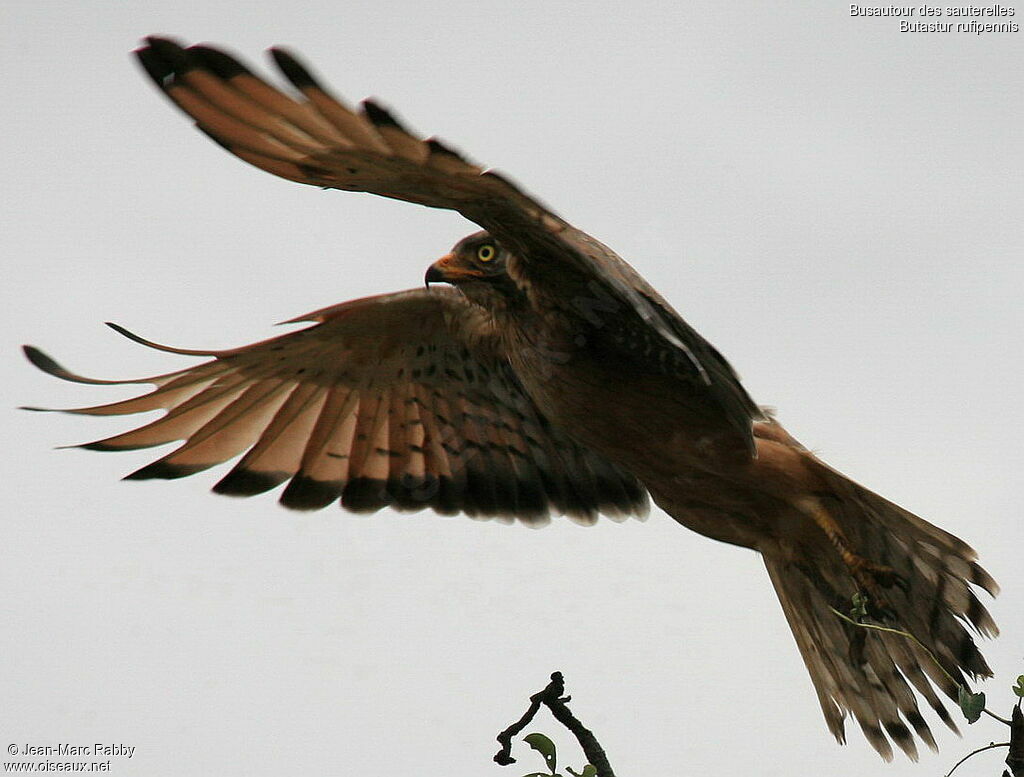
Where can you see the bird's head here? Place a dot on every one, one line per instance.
(478, 266)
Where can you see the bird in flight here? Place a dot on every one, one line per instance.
(543, 375)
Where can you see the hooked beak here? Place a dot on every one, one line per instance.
(434, 275)
(445, 270)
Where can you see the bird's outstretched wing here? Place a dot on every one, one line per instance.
(394, 401)
(319, 140)
(314, 138)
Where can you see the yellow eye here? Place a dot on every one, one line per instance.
(486, 252)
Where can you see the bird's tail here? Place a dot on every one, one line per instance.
(919, 580)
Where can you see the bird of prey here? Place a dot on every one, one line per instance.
(546, 377)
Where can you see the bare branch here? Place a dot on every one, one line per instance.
(1015, 758)
(989, 746)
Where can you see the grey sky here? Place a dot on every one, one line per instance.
(835, 204)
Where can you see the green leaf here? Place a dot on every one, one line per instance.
(971, 704)
(860, 606)
(588, 771)
(544, 746)
(1019, 687)
(537, 774)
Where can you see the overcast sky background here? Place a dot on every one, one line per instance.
(835, 204)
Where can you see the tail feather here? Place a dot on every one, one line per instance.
(874, 676)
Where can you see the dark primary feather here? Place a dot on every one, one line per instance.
(392, 401)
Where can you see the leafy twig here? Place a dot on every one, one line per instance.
(916, 641)
(552, 698)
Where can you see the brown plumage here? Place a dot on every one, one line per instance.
(551, 379)
(391, 401)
